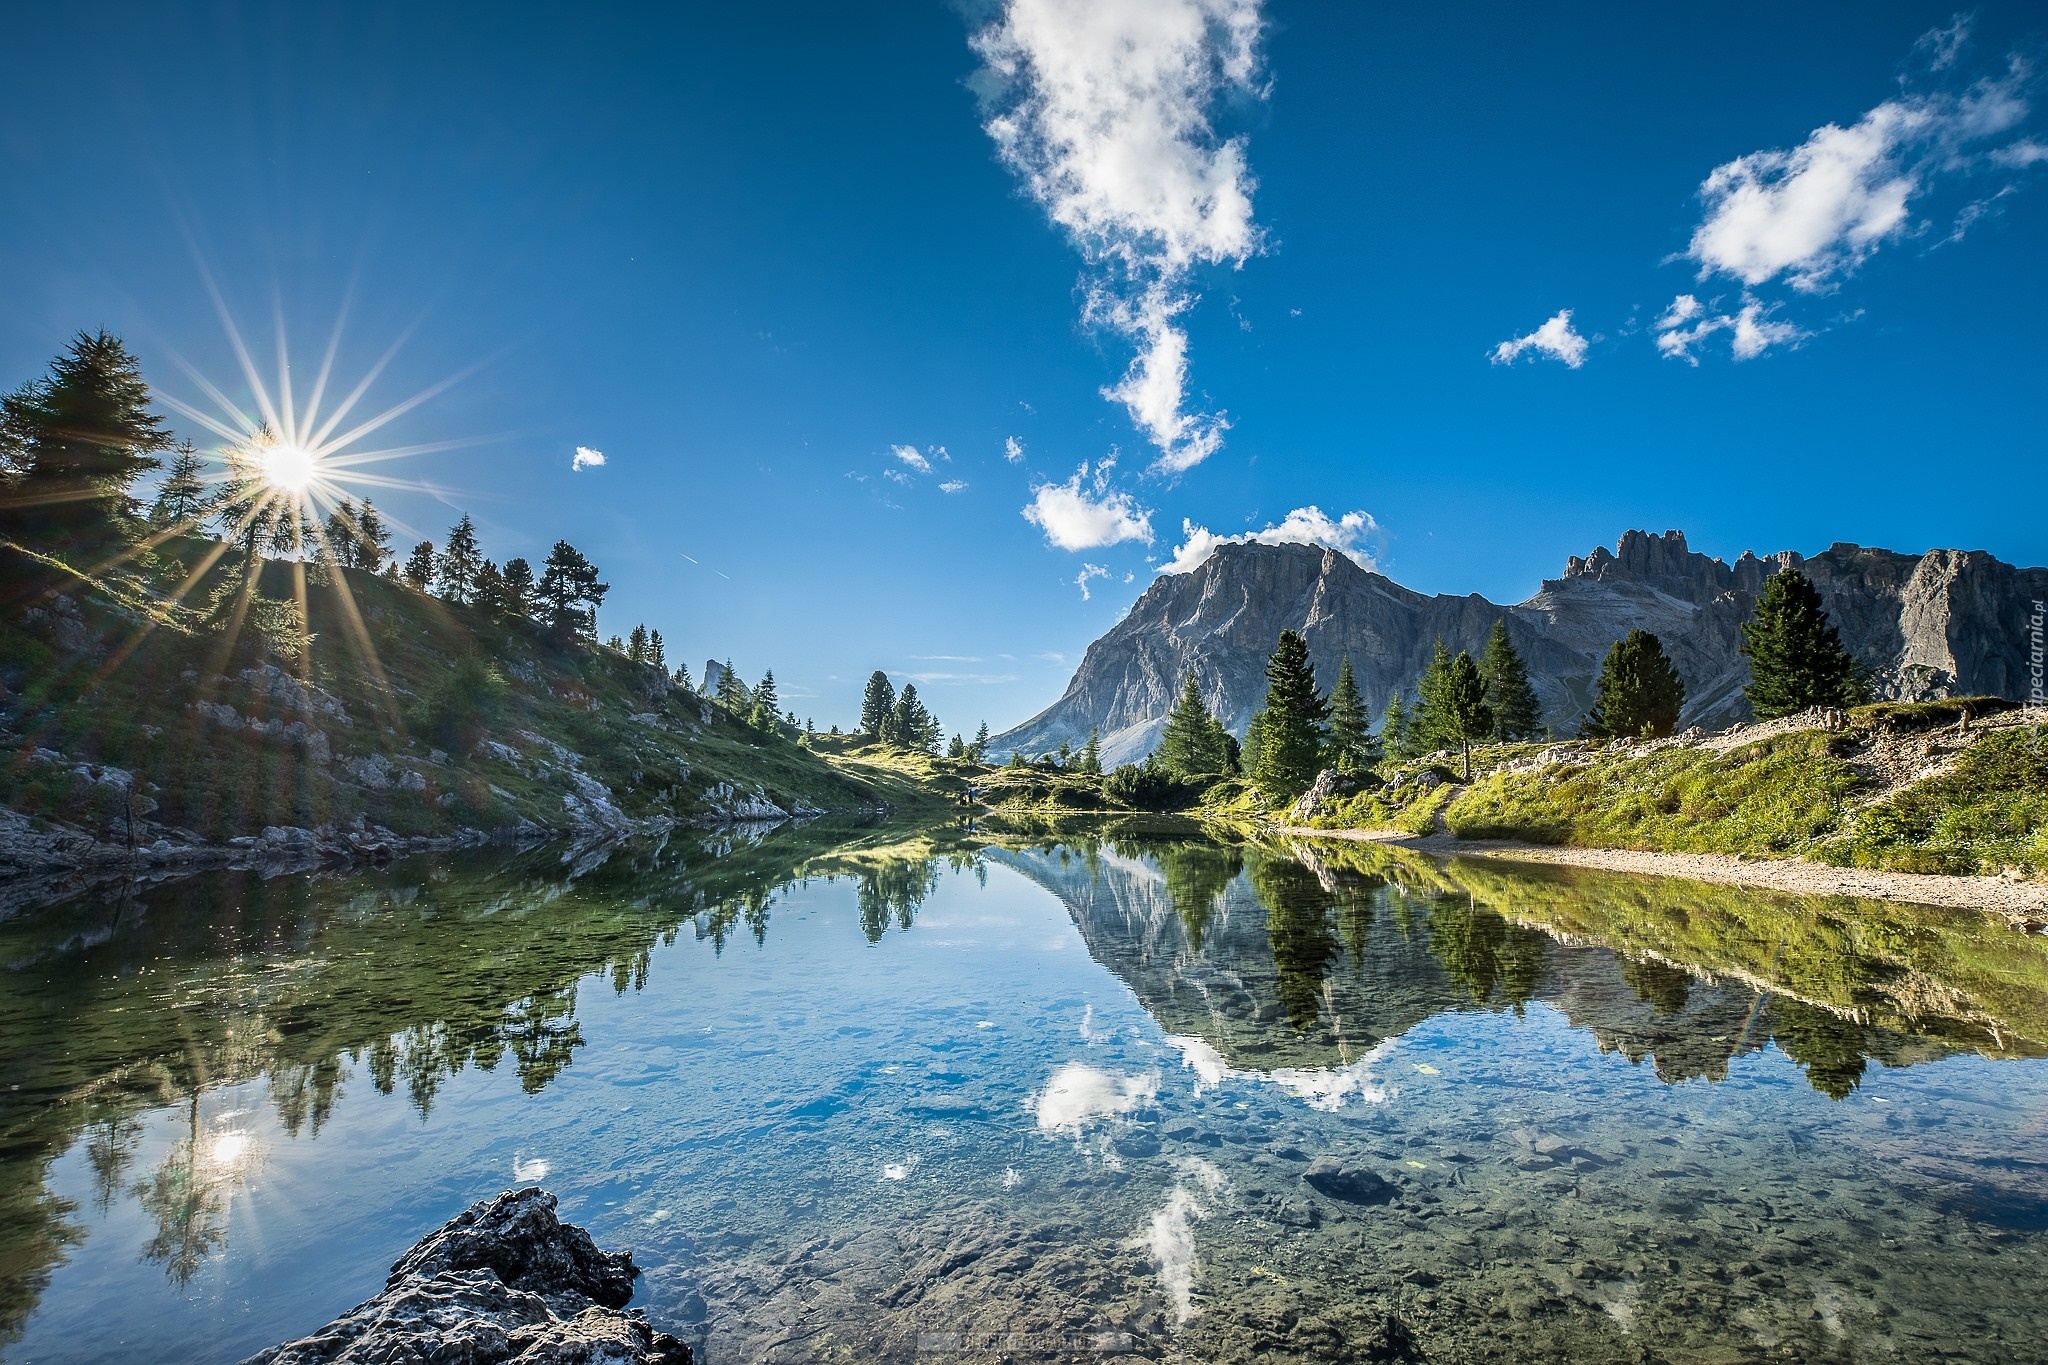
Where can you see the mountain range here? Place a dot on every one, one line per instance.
(1943, 623)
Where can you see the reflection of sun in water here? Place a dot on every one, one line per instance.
(229, 1148)
(289, 468)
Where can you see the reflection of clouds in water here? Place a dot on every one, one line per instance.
(1326, 1088)
(899, 1170)
(529, 1172)
(1171, 1239)
(1090, 1034)
(1079, 1094)
(1011, 1180)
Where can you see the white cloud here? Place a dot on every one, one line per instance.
(953, 486)
(1013, 450)
(585, 458)
(1085, 514)
(912, 457)
(1813, 214)
(1556, 338)
(1941, 46)
(1102, 107)
(1089, 571)
(2022, 154)
(1350, 535)
(1753, 329)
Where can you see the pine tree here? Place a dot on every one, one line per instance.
(1796, 658)
(980, 747)
(372, 541)
(636, 645)
(732, 693)
(1516, 713)
(1427, 732)
(459, 561)
(877, 704)
(1459, 705)
(656, 654)
(958, 748)
(1090, 762)
(1188, 746)
(181, 499)
(1352, 746)
(764, 704)
(1396, 729)
(1638, 693)
(518, 586)
(1293, 736)
(682, 677)
(419, 566)
(569, 592)
(340, 533)
(76, 440)
(910, 728)
(491, 596)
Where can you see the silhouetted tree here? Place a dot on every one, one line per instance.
(74, 441)
(570, 593)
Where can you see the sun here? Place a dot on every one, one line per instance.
(289, 468)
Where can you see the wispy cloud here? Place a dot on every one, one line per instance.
(1556, 338)
(953, 486)
(960, 679)
(585, 458)
(1013, 450)
(1103, 108)
(1688, 322)
(911, 456)
(1813, 214)
(1352, 535)
(1089, 571)
(1084, 513)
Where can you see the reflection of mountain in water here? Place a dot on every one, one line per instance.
(1306, 958)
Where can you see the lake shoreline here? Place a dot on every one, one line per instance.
(2022, 903)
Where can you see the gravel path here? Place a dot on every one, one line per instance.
(2022, 902)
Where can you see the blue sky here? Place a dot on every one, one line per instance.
(748, 254)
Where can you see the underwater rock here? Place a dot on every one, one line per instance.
(1346, 1180)
(505, 1281)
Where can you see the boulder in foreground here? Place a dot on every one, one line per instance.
(506, 1281)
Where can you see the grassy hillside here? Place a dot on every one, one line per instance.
(1902, 788)
(392, 709)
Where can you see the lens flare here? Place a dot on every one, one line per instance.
(290, 468)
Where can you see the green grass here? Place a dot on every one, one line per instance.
(1774, 798)
(1987, 813)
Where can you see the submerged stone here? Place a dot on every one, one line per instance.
(1346, 1180)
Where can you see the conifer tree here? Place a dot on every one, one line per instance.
(1090, 762)
(1516, 713)
(1396, 728)
(340, 533)
(518, 586)
(877, 705)
(419, 566)
(636, 645)
(1292, 742)
(459, 561)
(732, 693)
(76, 440)
(1427, 731)
(569, 592)
(980, 747)
(682, 677)
(1638, 693)
(1352, 746)
(1459, 705)
(1796, 658)
(911, 727)
(1189, 747)
(372, 541)
(958, 748)
(181, 499)
(765, 703)
(490, 591)
(656, 654)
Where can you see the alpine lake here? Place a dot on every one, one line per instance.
(957, 1093)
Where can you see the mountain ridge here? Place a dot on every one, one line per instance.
(1944, 623)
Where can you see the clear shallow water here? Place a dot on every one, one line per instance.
(851, 1094)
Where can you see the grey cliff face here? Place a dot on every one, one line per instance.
(1946, 623)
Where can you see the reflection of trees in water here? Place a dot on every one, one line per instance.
(1485, 953)
(1298, 926)
(1829, 1047)
(893, 891)
(1663, 988)
(1196, 873)
(188, 1203)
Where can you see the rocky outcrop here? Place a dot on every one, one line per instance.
(506, 1281)
(1946, 623)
